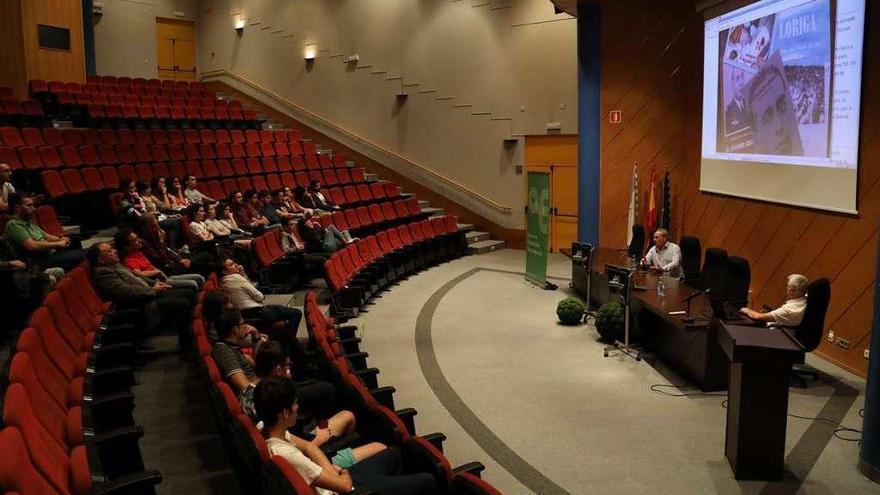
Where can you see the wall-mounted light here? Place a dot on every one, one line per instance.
(239, 25)
(311, 52)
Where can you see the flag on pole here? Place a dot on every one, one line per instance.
(651, 224)
(665, 215)
(633, 204)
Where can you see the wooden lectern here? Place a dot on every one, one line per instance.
(757, 407)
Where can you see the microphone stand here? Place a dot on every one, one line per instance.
(688, 300)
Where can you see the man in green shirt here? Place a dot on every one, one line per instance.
(33, 242)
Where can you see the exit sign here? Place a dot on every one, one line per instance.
(615, 116)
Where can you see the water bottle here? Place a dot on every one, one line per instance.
(661, 286)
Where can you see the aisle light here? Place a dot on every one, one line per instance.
(311, 52)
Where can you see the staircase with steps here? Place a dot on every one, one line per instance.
(478, 242)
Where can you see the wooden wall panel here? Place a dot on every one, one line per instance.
(42, 63)
(652, 71)
(12, 67)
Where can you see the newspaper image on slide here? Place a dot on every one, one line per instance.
(787, 111)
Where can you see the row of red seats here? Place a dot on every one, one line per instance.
(32, 136)
(172, 113)
(334, 343)
(45, 216)
(67, 411)
(146, 100)
(110, 85)
(268, 157)
(13, 107)
(67, 182)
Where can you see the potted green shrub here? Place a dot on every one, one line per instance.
(609, 321)
(571, 311)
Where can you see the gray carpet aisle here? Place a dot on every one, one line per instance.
(181, 438)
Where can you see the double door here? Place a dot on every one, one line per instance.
(557, 156)
(176, 49)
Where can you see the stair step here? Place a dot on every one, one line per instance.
(474, 237)
(483, 247)
(407, 195)
(371, 177)
(433, 212)
(465, 227)
(424, 203)
(349, 163)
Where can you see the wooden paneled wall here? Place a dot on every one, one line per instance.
(652, 70)
(13, 71)
(42, 63)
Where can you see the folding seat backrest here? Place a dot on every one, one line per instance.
(254, 166)
(17, 473)
(56, 86)
(244, 184)
(312, 161)
(281, 149)
(252, 149)
(222, 136)
(11, 136)
(207, 136)
(295, 147)
(316, 176)
(160, 136)
(351, 218)
(175, 152)
(93, 179)
(330, 178)
(298, 164)
(377, 189)
(405, 237)
(221, 150)
(239, 166)
(191, 152)
(394, 238)
(401, 209)
(73, 182)
(192, 136)
(274, 182)
(366, 254)
(415, 231)
(391, 189)
(29, 157)
(388, 211)
(427, 229)
(337, 196)
(142, 152)
(144, 172)
(376, 213)
(64, 388)
(340, 161)
(350, 195)
(325, 160)
(49, 156)
(50, 415)
(224, 168)
(125, 154)
(229, 186)
(209, 167)
(194, 167)
(8, 156)
(32, 137)
(252, 135)
(269, 164)
(161, 169)
(175, 136)
(267, 149)
(288, 180)
(412, 205)
(237, 150)
(236, 136)
(337, 218)
(283, 163)
(84, 99)
(364, 216)
(357, 175)
(215, 190)
(109, 176)
(53, 184)
(127, 172)
(373, 242)
(259, 183)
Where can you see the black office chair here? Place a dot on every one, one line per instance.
(809, 332)
(637, 245)
(714, 270)
(691, 257)
(736, 281)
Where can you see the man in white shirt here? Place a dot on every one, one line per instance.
(193, 194)
(791, 312)
(6, 187)
(664, 256)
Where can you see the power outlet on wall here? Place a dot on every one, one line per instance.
(831, 336)
(867, 352)
(842, 343)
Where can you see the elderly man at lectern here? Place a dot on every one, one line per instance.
(664, 256)
(791, 312)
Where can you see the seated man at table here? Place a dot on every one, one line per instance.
(791, 312)
(664, 256)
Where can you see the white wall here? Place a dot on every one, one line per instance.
(125, 35)
(504, 60)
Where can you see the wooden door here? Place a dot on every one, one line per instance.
(558, 156)
(176, 51)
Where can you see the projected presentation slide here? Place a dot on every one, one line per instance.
(781, 85)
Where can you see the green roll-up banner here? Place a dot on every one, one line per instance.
(538, 227)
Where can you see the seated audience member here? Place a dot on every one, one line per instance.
(293, 205)
(129, 245)
(179, 202)
(226, 230)
(664, 256)
(320, 239)
(293, 245)
(197, 227)
(317, 199)
(271, 360)
(275, 400)
(6, 187)
(266, 208)
(161, 196)
(28, 282)
(194, 195)
(170, 224)
(158, 301)
(131, 206)
(250, 301)
(791, 312)
(163, 256)
(33, 243)
(238, 370)
(301, 198)
(214, 304)
(246, 216)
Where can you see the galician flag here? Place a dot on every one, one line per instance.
(633, 204)
(652, 207)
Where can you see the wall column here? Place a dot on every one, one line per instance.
(589, 119)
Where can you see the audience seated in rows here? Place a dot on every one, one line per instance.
(247, 214)
(322, 239)
(245, 297)
(275, 399)
(193, 194)
(315, 199)
(130, 247)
